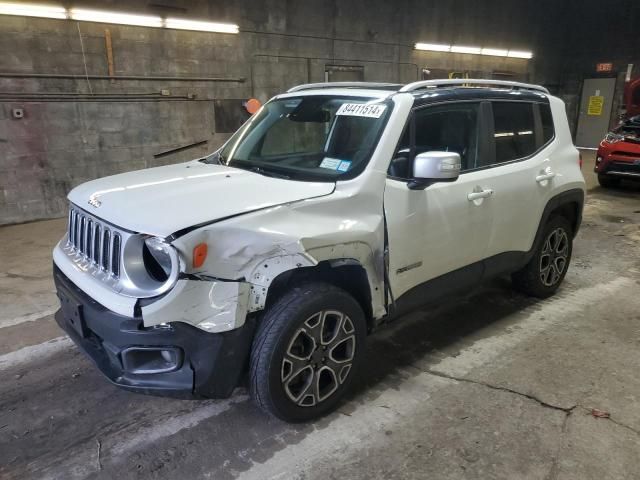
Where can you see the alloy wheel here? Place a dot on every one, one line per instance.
(318, 358)
(553, 260)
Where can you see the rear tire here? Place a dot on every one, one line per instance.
(606, 181)
(546, 270)
(306, 352)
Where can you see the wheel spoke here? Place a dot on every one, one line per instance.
(301, 346)
(291, 366)
(331, 326)
(344, 350)
(326, 382)
(297, 385)
(560, 263)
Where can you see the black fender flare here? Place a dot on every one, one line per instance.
(571, 197)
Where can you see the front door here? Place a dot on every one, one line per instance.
(595, 111)
(446, 226)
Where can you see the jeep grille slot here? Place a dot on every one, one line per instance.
(95, 242)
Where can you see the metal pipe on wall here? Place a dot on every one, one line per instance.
(122, 77)
(109, 49)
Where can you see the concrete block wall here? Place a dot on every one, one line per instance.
(69, 136)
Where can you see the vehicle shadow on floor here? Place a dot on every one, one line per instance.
(433, 333)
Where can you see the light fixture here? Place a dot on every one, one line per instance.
(519, 54)
(31, 10)
(494, 52)
(102, 16)
(461, 49)
(182, 24)
(434, 47)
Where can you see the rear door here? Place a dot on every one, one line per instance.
(521, 173)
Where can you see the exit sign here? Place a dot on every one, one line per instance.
(604, 67)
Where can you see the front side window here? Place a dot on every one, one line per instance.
(441, 128)
(514, 130)
(318, 138)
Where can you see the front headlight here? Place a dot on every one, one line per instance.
(613, 137)
(151, 266)
(157, 258)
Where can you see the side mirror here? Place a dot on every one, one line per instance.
(433, 167)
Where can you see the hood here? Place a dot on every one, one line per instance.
(162, 200)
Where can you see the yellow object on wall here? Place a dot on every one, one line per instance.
(596, 103)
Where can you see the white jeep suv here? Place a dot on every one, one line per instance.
(334, 209)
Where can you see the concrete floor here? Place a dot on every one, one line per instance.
(495, 385)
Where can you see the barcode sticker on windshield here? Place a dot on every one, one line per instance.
(361, 110)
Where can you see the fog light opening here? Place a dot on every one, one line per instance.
(146, 361)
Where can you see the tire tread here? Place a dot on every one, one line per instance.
(272, 323)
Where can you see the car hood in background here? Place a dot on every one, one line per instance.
(163, 200)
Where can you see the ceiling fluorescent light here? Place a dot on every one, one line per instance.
(461, 49)
(519, 54)
(434, 47)
(113, 17)
(182, 24)
(30, 10)
(494, 52)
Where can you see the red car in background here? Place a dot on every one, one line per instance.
(619, 154)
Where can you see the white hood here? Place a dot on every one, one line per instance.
(160, 201)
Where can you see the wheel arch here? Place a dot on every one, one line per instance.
(346, 273)
(568, 204)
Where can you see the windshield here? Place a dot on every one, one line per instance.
(316, 138)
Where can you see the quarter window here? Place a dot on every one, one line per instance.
(548, 130)
(514, 130)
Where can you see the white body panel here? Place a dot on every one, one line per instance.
(160, 201)
(436, 230)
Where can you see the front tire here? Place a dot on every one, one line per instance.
(606, 181)
(546, 270)
(306, 352)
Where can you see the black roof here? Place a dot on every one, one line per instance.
(447, 94)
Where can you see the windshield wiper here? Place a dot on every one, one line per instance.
(268, 173)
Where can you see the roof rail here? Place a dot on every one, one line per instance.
(471, 81)
(310, 86)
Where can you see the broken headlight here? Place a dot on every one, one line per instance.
(157, 258)
(151, 265)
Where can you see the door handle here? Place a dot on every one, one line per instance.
(545, 176)
(478, 195)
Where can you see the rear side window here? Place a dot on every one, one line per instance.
(546, 118)
(514, 130)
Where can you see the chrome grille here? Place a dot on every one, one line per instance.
(97, 242)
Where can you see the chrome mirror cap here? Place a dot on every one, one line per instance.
(432, 167)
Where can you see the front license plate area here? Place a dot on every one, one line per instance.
(72, 312)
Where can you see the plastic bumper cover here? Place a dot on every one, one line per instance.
(176, 359)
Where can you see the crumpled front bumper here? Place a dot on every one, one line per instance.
(175, 359)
